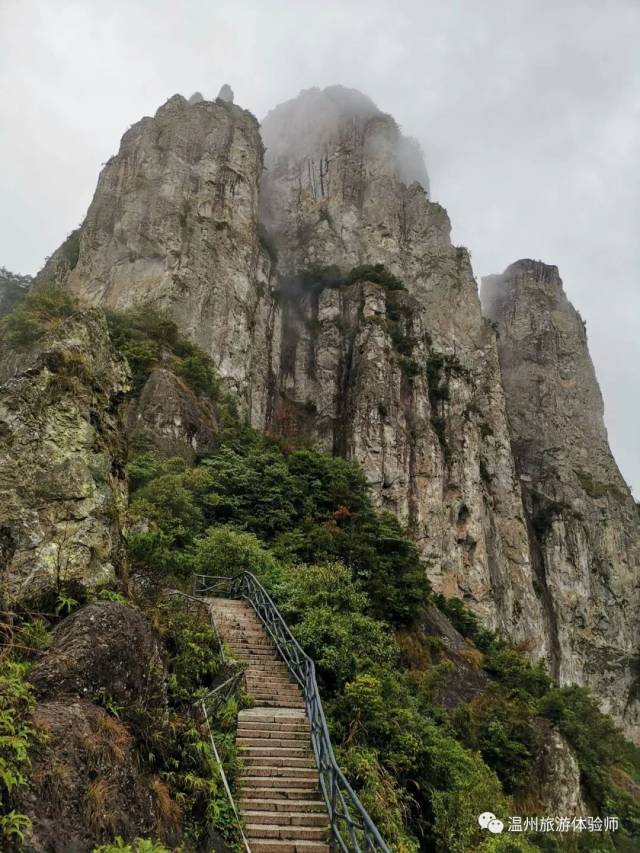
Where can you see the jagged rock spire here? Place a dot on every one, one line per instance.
(583, 523)
(225, 94)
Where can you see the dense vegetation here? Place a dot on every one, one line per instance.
(351, 585)
(347, 578)
(175, 753)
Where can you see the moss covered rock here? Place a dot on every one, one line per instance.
(63, 487)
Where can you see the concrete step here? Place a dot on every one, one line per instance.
(277, 696)
(300, 726)
(281, 804)
(261, 677)
(274, 751)
(275, 733)
(276, 715)
(295, 833)
(287, 818)
(259, 762)
(283, 793)
(281, 846)
(288, 786)
(251, 772)
(268, 742)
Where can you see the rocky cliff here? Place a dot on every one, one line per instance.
(327, 291)
(62, 462)
(584, 527)
(173, 224)
(404, 380)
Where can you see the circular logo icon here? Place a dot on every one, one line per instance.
(485, 819)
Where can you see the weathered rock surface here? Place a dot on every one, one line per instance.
(63, 486)
(170, 416)
(435, 637)
(225, 94)
(106, 652)
(86, 786)
(583, 522)
(408, 384)
(557, 775)
(411, 390)
(12, 288)
(173, 224)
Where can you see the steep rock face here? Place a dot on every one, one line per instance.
(411, 389)
(62, 463)
(557, 775)
(171, 416)
(407, 383)
(584, 524)
(173, 224)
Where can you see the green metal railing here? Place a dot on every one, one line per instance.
(352, 828)
(214, 699)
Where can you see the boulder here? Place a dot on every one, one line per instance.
(86, 786)
(107, 652)
(171, 416)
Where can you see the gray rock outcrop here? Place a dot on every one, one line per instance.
(173, 224)
(557, 775)
(406, 383)
(63, 486)
(86, 784)
(583, 522)
(393, 366)
(225, 94)
(171, 417)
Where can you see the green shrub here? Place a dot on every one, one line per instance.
(148, 338)
(598, 744)
(378, 274)
(71, 249)
(193, 654)
(197, 370)
(502, 730)
(226, 551)
(17, 735)
(41, 312)
(138, 845)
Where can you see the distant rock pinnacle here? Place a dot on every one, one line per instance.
(225, 94)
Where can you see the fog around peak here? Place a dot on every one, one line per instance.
(311, 125)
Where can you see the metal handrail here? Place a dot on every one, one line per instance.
(211, 701)
(170, 593)
(352, 827)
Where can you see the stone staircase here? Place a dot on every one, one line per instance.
(279, 798)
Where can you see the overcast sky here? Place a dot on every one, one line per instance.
(528, 112)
